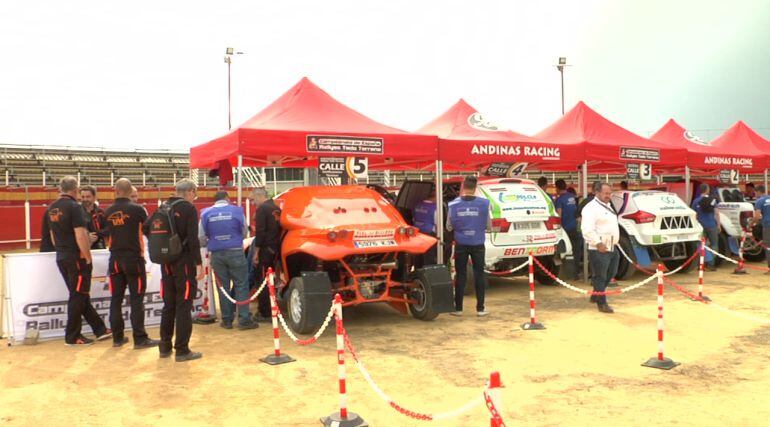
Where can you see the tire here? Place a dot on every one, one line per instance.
(423, 294)
(625, 269)
(756, 252)
(690, 249)
(550, 264)
(306, 298)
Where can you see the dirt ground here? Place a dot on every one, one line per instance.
(584, 369)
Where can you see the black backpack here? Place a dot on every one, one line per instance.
(164, 243)
(707, 204)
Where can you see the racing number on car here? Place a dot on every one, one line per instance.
(517, 169)
(357, 167)
(735, 176)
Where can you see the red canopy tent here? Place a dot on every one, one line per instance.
(609, 147)
(468, 140)
(305, 123)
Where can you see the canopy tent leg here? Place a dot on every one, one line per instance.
(765, 179)
(585, 246)
(687, 190)
(240, 179)
(439, 213)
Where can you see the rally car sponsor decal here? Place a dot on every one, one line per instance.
(524, 251)
(373, 234)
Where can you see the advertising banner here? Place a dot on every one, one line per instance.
(36, 296)
(344, 144)
(644, 154)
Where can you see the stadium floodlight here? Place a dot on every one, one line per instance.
(560, 66)
(229, 51)
(562, 60)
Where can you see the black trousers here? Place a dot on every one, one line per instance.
(267, 257)
(177, 288)
(127, 272)
(476, 254)
(77, 277)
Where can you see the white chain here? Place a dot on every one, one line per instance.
(586, 292)
(721, 256)
(253, 297)
(320, 331)
(434, 417)
(515, 269)
(674, 271)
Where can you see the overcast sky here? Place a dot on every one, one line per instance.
(150, 74)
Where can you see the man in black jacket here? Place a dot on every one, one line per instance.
(264, 249)
(97, 222)
(179, 279)
(126, 268)
(67, 222)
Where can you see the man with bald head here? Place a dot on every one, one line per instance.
(126, 268)
(134, 195)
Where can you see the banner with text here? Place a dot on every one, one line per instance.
(36, 296)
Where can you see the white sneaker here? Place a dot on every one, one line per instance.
(456, 313)
(482, 313)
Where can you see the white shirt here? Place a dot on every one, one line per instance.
(599, 225)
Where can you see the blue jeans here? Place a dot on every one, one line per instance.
(604, 266)
(712, 236)
(231, 266)
(476, 254)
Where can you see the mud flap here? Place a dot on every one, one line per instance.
(440, 281)
(642, 255)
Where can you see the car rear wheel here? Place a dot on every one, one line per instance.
(307, 302)
(625, 268)
(550, 264)
(752, 248)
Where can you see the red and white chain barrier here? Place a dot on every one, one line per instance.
(740, 269)
(233, 300)
(660, 362)
(276, 358)
(740, 264)
(644, 270)
(533, 324)
(491, 395)
(587, 292)
(509, 272)
(701, 267)
(204, 317)
(315, 336)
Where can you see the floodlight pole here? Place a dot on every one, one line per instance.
(561, 72)
(229, 104)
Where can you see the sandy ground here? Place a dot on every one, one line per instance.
(584, 369)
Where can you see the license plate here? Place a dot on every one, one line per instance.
(374, 243)
(526, 225)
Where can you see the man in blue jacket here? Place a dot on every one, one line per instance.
(222, 229)
(470, 220)
(424, 218)
(762, 214)
(705, 207)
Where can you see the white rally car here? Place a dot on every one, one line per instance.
(655, 226)
(523, 218)
(734, 214)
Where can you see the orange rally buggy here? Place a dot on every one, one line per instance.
(350, 240)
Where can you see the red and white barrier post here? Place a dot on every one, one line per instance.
(701, 267)
(276, 358)
(343, 418)
(532, 324)
(494, 400)
(660, 362)
(204, 317)
(740, 269)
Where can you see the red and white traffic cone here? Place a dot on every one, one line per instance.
(740, 269)
(276, 358)
(660, 362)
(204, 317)
(343, 418)
(701, 267)
(532, 324)
(495, 400)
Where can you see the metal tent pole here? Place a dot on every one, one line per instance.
(585, 246)
(687, 191)
(439, 213)
(240, 179)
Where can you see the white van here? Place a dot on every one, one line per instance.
(523, 217)
(655, 226)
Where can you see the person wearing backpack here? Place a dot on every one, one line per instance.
(222, 229)
(705, 207)
(172, 233)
